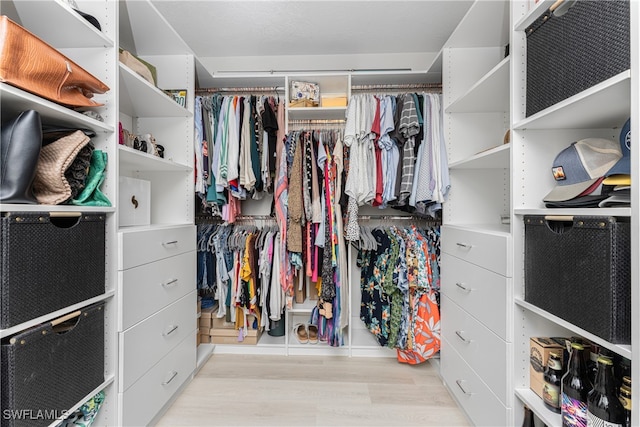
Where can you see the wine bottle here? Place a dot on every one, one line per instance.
(528, 418)
(625, 399)
(552, 379)
(603, 406)
(575, 389)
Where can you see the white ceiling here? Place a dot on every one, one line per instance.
(242, 35)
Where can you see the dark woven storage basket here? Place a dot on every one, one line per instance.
(580, 271)
(46, 372)
(573, 52)
(49, 263)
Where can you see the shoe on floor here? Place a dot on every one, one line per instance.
(313, 334)
(301, 333)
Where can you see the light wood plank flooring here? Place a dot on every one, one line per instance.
(255, 390)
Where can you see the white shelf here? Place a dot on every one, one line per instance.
(138, 98)
(317, 113)
(131, 159)
(586, 109)
(489, 94)
(108, 381)
(533, 401)
(622, 212)
(6, 207)
(306, 307)
(622, 350)
(46, 19)
(486, 24)
(493, 158)
(533, 14)
(15, 100)
(500, 229)
(48, 317)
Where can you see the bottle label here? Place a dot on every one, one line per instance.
(551, 395)
(594, 421)
(574, 412)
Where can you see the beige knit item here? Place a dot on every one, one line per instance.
(50, 185)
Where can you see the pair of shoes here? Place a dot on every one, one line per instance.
(306, 333)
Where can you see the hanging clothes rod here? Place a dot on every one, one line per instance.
(255, 218)
(397, 218)
(409, 86)
(316, 121)
(239, 89)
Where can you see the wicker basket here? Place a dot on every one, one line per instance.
(580, 271)
(49, 263)
(570, 53)
(49, 368)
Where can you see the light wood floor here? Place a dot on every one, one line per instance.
(255, 390)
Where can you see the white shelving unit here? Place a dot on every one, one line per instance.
(94, 50)
(476, 358)
(599, 111)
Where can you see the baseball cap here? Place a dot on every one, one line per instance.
(580, 165)
(623, 166)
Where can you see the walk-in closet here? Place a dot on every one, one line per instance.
(319, 213)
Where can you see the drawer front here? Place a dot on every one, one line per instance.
(143, 246)
(150, 287)
(483, 350)
(482, 293)
(147, 342)
(473, 395)
(488, 250)
(142, 402)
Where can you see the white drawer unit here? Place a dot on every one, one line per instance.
(482, 293)
(475, 397)
(483, 350)
(488, 249)
(143, 400)
(141, 246)
(148, 288)
(145, 343)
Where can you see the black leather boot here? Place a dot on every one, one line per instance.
(19, 150)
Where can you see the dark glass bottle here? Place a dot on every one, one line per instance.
(575, 389)
(592, 363)
(552, 380)
(528, 418)
(603, 405)
(625, 399)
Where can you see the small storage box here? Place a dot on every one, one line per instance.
(579, 269)
(134, 202)
(49, 261)
(573, 52)
(49, 368)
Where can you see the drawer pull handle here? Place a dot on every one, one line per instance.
(169, 283)
(170, 331)
(468, 393)
(173, 375)
(464, 288)
(459, 334)
(173, 242)
(464, 245)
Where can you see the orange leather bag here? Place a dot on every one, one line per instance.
(30, 64)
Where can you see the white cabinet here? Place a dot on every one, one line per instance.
(95, 51)
(157, 301)
(477, 262)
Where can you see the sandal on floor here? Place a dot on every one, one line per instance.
(313, 334)
(301, 333)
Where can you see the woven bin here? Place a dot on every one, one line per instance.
(580, 271)
(570, 53)
(48, 369)
(49, 263)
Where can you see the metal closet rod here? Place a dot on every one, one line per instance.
(316, 121)
(240, 89)
(411, 86)
(397, 218)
